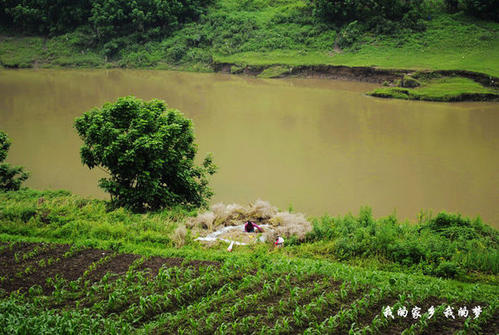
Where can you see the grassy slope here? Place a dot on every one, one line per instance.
(450, 42)
(27, 52)
(61, 216)
(264, 32)
(267, 32)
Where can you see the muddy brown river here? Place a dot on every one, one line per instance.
(322, 146)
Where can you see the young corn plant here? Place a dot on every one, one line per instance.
(424, 321)
(175, 298)
(225, 296)
(474, 325)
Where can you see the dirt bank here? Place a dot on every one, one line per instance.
(359, 73)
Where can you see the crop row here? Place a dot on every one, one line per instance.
(116, 293)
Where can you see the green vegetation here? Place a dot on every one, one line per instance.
(446, 245)
(440, 89)
(273, 72)
(100, 21)
(254, 289)
(148, 152)
(11, 177)
(378, 16)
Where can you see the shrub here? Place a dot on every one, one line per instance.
(485, 9)
(11, 177)
(149, 153)
(379, 16)
(447, 270)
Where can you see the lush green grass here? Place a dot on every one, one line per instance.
(440, 89)
(22, 52)
(58, 214)
(450, 42)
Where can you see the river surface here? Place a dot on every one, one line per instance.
(321, 146)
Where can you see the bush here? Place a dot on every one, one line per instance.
(447, 270)
(436, 244)
(149, 153)
(10, 177)
(485, 9)
(108, 19)
(379, 16)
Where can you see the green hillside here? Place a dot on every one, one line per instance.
(264, 33)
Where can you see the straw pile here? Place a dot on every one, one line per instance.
(261, 212)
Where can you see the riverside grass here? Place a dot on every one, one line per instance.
(446, 245)
(279, 35)
(440, 89)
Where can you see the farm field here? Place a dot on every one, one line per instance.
(70, 289)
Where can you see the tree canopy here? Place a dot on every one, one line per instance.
(148, 151)
(103, 20)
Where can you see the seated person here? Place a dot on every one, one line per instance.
(250, 227)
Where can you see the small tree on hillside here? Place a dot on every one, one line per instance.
(148, 151)
(11, 177)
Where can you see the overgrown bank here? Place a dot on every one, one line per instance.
(285, 34)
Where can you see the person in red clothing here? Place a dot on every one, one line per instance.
(250, 227)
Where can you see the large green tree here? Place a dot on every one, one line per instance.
(11, 177)
(148, 151)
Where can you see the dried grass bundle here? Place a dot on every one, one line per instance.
(283, 224)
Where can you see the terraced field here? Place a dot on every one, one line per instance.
(54, 288)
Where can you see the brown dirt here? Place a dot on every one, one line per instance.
(68, 268)
(7, 254)
(51, 251)
(492, 325)
(73, 267)
(358, 73)
(118, 265)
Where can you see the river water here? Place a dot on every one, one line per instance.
(322, 146)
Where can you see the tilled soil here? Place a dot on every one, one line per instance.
(23, 274)
(118, 265)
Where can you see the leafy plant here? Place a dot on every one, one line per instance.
(11, 177)
(148, 150)
(485, 9)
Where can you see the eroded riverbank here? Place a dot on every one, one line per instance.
(439, 85)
